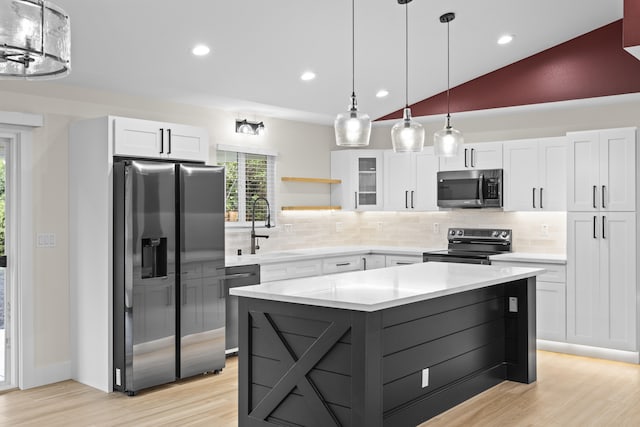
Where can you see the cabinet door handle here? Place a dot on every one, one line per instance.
(364, 263)
(541, 207)
(603, 188)
(169, 135)
(595, 188)
(604, 220)
(594, 227)
(412, 199)
(465, 158)
(406, 199)
(161, 140)
(473, 163)
(342, 264)
(356, 199)
(533, 198)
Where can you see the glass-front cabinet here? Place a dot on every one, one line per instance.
(361, 174)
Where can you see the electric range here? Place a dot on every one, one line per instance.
(472, 245)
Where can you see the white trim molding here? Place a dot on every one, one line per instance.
(18, 128)
(588, 351)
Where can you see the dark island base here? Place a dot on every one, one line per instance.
(317, 366)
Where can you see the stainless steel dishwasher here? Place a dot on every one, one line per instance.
(239, 275)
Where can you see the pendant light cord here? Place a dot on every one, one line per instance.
(353, 48)
(448, 77)
(406, 53)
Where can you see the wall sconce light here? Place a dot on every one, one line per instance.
(249, 128)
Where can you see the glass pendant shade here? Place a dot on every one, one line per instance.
(407, 135)
(447, 141)
(352, 128)
(35, 41)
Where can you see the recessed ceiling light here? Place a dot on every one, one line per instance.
(200, 50)
(308, 75)
(382, 93)
(505, 39)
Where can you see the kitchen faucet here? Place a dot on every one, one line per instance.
(254, 236)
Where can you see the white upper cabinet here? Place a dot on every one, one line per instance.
(535, 175)
(361, 175)
(602, 170)
(487, 155)
(159, 140)
(410, 181)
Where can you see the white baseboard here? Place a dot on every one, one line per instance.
(587, 351)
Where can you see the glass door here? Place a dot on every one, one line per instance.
(369, 182)
(4, 288)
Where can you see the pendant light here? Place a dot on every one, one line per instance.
(352, 128)
(407, 135)
(34, 40)
(447, 141)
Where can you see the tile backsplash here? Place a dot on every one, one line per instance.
(539, 232)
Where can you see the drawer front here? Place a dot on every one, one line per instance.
(290, 270)
(341, 264)
(393, 260)
(555, 272)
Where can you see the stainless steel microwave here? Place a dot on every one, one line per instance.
(474, 188)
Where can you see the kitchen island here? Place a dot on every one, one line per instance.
(390, 347)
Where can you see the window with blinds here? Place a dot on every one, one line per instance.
(248, 177)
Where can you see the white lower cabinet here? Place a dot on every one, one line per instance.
(602, 279)
(290, 270)
(373, 261)
(551, 300)
(341, 264)
(393, 260)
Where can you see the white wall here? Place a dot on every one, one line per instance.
(60, 105)
(304, 151)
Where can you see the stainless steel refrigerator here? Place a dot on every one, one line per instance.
(168, 297)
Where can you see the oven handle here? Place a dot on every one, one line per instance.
(480, 181)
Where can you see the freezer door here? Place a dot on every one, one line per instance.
(149, 274)
(202, 270)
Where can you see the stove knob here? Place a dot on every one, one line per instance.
(452, 232)
(495, 233)
(504, 234)
(459, 232)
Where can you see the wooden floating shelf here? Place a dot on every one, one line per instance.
(312, 180)
(311, 208)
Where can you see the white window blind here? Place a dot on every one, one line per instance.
(248, 176)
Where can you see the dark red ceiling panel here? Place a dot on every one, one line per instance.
(592, 65)
(631, 25)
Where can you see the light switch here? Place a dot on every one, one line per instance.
(513, 304)
(46, 240)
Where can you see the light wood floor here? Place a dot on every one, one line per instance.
(570, 391)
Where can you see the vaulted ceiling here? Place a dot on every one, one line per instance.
(260, 48)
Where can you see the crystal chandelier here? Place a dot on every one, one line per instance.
(35, 41)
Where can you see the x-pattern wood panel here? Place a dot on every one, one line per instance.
(298, 370)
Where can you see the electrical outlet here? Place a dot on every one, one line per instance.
(288, 228)
(513, 304)
(339, 227)
(436, 228)
(545, 230)
(425, 377)
(379, 227)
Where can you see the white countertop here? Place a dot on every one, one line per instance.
(374, 290)
(531, 257)
(289, 255)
